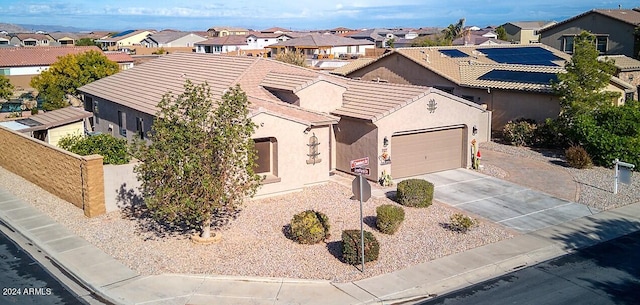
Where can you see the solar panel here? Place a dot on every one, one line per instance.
(454, 53)
(127, 32)
(523, 56)
(542, 78)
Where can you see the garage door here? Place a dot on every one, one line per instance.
(426, 152)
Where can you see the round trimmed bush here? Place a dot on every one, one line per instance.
(388, 218)
(351, 247)
(310, 227)
(415, 193)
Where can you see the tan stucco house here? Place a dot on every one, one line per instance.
(512, 81)
(310, 123)
(51, 126)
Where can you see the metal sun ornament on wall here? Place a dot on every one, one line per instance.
(432, 106)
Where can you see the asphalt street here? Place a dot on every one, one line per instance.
(24, 280)
(608, 273)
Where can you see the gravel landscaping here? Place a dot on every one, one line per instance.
(596, 184)
(255, 243)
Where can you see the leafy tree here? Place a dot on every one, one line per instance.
(87, 42)
(581, 88)
(294, 58)
(6, 88)
(112, 149)
(502, 33)
(454, 31)
(200, 163)
(69, 73)
(427, 41)
(391, 43)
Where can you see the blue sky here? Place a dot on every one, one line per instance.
(293, 14)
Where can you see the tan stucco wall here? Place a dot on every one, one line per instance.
(633, 78)
(356, 139)
(74, 178)
(58, 132)
(20, 81)
(292, 140)
(322, 96)
(450, 112)
(512, 105)
(613, 88)
(527, 36)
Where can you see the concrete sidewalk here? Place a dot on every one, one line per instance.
(117, 283)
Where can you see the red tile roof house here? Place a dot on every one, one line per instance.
(310, 123)
(20, 64)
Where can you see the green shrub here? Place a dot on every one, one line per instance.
(310, 227)
(520, 132)
(112, 149)
(389, 217)
(578, 157)
(415, 193)
(351, 247)
(461, 223)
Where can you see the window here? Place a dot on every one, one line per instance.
(567, 44)
(96, 113)
(140, 128)
(217, 48)
(601, 44)
(122, 123)
(4, 71)
(267, 163)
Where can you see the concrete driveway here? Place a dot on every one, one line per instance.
(509, 204)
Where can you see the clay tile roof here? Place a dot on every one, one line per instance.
(118, 57)
(321, 40)
(352, 66)
(38, 56)
(54, 118)
(623, 63)
(230, 40)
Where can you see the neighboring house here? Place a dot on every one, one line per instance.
(340, 30)
(223, 45)
(127, 38)
(309, 123)
(513, 81)
(20, 64)
(323, 46)
(480, 37)
(169, 39)
(275, 30)
(525, 32)
(30, 39)
(615, 31)
(124, 60)
(627, 70)
(4, 41)
(379, 37)
(259, 41)
(64, 39)
(51, 126)
(221, 31)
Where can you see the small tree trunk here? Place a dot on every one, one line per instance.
(206, 228)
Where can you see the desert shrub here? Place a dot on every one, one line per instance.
(388, 218)
(578, 157)
(520, 132)
(550, 134)
(112, 149)
(415, 193)
(461, 223)
(310, 227)
(351, 247)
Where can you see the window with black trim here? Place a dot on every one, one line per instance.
(267, 151)
(96, 112)
(601, 44)
(567, 44)
(140, 127)
(122, 123)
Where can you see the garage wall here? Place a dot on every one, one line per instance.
(450, 112)
(512, 105)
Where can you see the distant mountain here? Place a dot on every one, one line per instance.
(51, 28)
(12, 28)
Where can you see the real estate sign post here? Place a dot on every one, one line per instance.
(361, 188)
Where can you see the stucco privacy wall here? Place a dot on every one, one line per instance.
(356, 139)
(74, 178)
(292, 138)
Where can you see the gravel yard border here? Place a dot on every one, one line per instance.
(254, 244)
